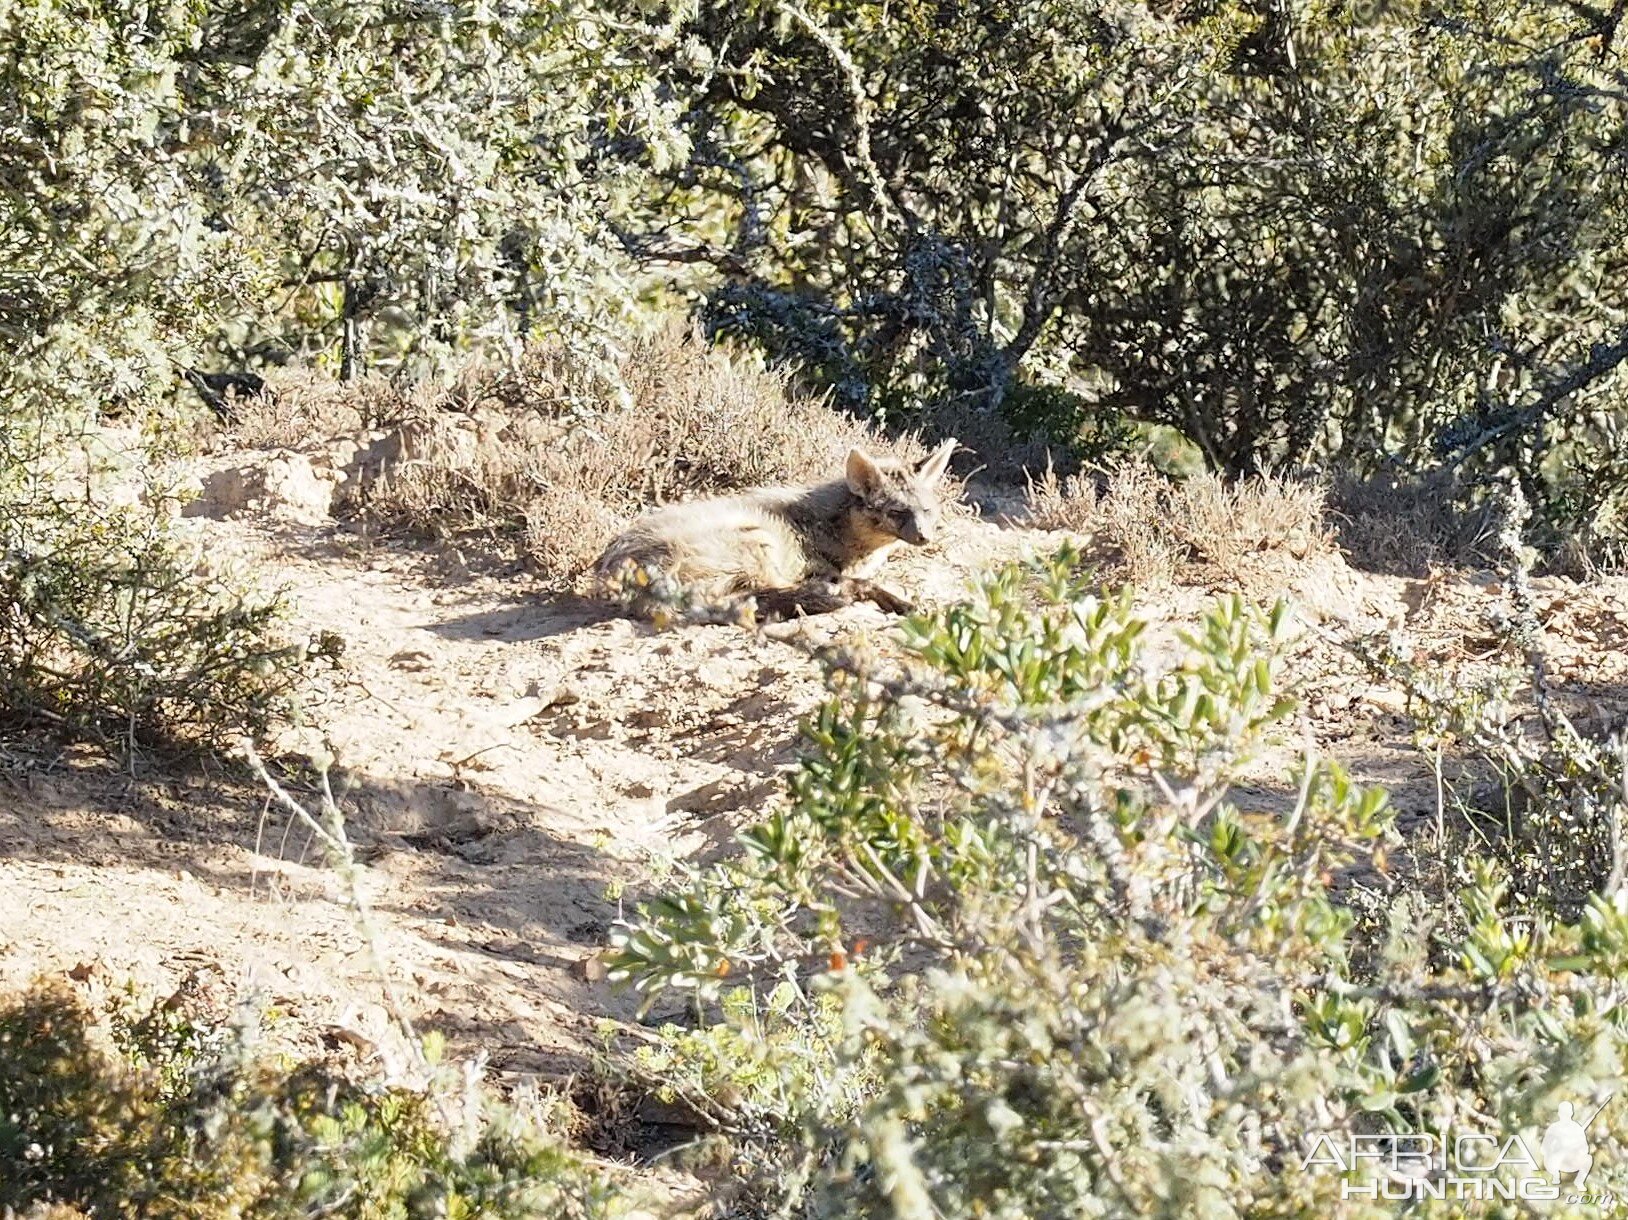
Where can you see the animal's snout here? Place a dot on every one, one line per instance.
(916, 532)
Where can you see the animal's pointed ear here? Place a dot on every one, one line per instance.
(864, 476)
(932, 470)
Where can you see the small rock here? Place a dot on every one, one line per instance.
(714, 675)
(298, 491)
(286, 486)
(364, 457)
(561, 695)
(523, 710)
(1386, 699)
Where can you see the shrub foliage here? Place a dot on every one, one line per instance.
(116, 628)
(185, 1122)
(117, 632)
(367, 182)
(1082, 969)
(1392, 234)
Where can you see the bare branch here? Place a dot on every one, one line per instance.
(863, 111)
(1603, 358)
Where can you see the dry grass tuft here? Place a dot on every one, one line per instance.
(509, 452)
(1069, 503)
(1228, 523)
(300, 404)
(1406, 528)
(1156, 529)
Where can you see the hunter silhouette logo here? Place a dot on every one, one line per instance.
(1565, 1144)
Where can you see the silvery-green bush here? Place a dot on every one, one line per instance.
(121, 632)
(1080, 968)
(354, 183)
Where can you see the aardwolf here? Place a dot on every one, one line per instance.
(794, 550)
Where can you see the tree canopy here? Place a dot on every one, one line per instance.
(1390, 236)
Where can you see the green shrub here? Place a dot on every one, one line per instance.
(1084, 971)
(187, 1123)
(1387, 236)
(118, 632)
(192, 182)
(1069, 421)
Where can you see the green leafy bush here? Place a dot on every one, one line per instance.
(1084, 970)
(1389, 236)
(116, 628)
(186, 1123)
(112, 636)
(190, 183)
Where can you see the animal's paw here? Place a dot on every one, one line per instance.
(883, 599)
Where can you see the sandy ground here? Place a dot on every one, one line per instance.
(516, 770)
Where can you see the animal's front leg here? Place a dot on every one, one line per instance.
(883, 599)
(822, 597)
(812, 597)
(869, 566)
